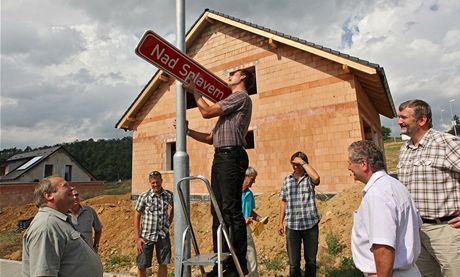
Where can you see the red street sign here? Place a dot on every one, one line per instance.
(164, 55)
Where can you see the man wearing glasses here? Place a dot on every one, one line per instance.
(85, 219)
(153, 231)
(230, 158)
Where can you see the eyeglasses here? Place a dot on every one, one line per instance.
(233, 73)
(155, 173)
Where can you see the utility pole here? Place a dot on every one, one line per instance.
(454, 123)
(442, 118)
(181, 158)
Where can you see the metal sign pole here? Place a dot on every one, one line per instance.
(181, 158)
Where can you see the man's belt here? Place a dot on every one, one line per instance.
(438, 220)
(228, 149)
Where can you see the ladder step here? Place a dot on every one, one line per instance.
(205, 259)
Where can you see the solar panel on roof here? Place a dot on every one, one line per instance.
(29, 163)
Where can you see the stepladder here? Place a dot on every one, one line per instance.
(205, 259)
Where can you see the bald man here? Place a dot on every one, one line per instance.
(51, 245)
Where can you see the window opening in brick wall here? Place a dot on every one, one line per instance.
(191, 103)
(170, 151)
(253, 89)
(250, 144)
(48, 170)
(68, 172)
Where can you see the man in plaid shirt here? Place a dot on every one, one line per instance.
(153, 232)
(230, 160)
(429, 166)
(298, 211)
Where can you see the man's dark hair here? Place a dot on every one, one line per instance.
(249, 80)
(300, 154)
(366, 150)
(420, 107)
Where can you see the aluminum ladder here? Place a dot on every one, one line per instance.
(206, 258)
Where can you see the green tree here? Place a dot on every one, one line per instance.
(7, 153)
(386, 132)
(457, 126)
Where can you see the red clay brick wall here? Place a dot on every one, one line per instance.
(17, 194)
(304, 102)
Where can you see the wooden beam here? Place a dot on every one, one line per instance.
(272, 43)
(345, 68)
(163, 77)
(210, 20)
(368, 78)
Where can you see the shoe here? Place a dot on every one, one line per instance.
(231, 273)
(213, 272)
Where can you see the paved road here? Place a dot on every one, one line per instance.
(10, 268)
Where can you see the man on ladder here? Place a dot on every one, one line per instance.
(230, 159)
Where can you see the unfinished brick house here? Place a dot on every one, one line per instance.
(307, 98)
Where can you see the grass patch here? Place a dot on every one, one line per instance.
(10, 241)
(347, 269)
(115, 262)
(118, 260)
(333, 246)
(392, 154)
(117, 188)
(276, 264)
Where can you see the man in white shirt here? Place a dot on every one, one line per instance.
(385, 237)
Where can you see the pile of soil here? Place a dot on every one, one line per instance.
(117, 242)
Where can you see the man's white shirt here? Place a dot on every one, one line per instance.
(387, 215)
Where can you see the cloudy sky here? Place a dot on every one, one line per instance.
(68, 68)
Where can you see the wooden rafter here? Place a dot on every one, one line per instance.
(272, 43)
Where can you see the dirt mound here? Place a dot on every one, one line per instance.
(10, 216)
(117, 247)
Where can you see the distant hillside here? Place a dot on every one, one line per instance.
(108, 160)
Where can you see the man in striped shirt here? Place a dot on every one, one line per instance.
(153, 232)
(230, 158)
(429, 166)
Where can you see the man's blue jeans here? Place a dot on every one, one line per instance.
(294, 239)
(228, 171)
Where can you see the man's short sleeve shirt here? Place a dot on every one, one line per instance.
(52, 247)
(154, 210)
(386, 216)
(248, 202)
(232, 126)
(87, 219)
(431, 173)
(301, 211)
